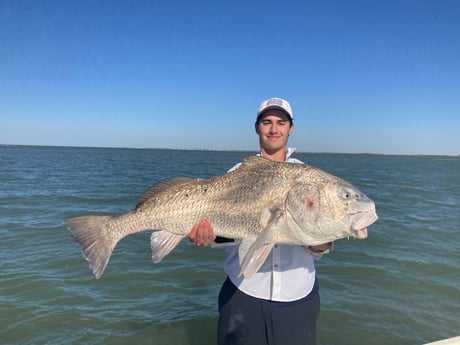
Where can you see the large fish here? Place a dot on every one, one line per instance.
(262, 202)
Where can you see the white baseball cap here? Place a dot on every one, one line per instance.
(275, 103)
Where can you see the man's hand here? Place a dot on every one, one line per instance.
(202, 233)
(320, 248)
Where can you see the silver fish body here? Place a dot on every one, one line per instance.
(262, 203)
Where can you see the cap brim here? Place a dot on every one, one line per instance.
(275, 107)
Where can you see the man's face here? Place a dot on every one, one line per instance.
(274, 129)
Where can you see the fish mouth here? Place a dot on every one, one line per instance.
(359, 223)
(360, 234)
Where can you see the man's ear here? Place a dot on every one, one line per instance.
(256, 127)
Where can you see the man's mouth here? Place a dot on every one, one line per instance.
(273, 138)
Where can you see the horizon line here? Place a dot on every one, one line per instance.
(234, 150)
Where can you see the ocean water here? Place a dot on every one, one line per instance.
(399, 286)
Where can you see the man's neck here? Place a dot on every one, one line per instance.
(277, 156)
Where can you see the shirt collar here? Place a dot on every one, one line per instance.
(289, 152)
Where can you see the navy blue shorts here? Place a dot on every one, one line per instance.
(251, 321)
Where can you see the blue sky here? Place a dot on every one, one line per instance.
(361, 76)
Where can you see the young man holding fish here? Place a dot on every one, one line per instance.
(280, 303)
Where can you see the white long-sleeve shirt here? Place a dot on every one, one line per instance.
(288, 273)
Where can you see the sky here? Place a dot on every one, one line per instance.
(361, 76)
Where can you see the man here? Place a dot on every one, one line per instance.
(280, 304)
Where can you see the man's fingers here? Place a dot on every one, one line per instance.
(202, 233)
(193, 232)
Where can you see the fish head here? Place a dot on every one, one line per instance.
(360, 211)
(327, 208)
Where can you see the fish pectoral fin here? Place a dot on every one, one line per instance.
(243, 248)
(255, 257)
(253, 253)
(162, 243)
(270, 216)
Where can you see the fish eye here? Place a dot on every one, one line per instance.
(345, 194)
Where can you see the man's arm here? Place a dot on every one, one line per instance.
(318, 251)
(321, 248)
(202, 234)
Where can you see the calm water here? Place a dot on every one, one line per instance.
(400, 286)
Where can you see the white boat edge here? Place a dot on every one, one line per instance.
(449, 341)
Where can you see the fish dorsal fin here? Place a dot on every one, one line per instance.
(162, 186)
(252, 161)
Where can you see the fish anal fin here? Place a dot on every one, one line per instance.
(162, 243)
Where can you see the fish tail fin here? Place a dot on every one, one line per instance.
(96, 246)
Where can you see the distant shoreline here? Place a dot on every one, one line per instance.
(421, 155)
